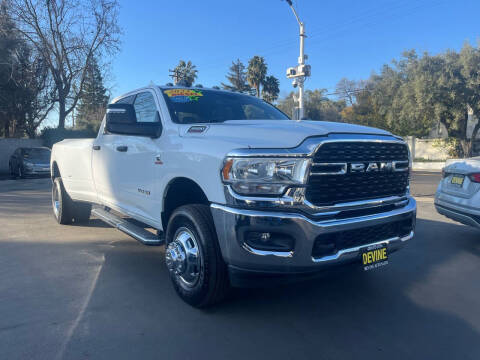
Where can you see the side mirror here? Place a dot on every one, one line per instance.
(121, 119)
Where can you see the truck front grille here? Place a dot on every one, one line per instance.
(355, 151)
(332, 180)
(330, 244)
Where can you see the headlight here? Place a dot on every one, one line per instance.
(264, 176)
(27, 164)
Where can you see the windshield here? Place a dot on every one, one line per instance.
(37, 154)
(192, 106)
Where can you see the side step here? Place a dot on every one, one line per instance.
(135, 231)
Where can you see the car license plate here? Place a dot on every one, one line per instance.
(374, 257)
(457, 180)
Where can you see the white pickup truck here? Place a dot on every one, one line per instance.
(236, 190)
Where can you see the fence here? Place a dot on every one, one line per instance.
(425, 149)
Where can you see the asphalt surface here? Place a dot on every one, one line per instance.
(91, 292)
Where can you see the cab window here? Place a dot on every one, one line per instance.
(126, 100)
(145, 107)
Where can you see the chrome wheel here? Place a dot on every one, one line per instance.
(183, 257)
(56, 200)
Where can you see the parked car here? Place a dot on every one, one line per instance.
(458, 194)
(235, 189)
(30, 161)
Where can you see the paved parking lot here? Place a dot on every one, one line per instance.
(91, 292)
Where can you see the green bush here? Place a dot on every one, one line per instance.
(51, 136)
(452, 145)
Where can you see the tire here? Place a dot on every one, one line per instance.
(81, 211)
(65, 210)
(207, 283)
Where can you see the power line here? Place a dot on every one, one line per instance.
(320, 33)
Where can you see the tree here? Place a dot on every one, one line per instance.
(68, 34)
(237, 78)
(271, 89)
(458, 91)
(93, 99)
(35, 90)
(317, 106)
(391, 99)
(345, 90)
(470, 60)
(416, 92)
(8, 43)
(256, 72)
(184, 73)
(26, 93)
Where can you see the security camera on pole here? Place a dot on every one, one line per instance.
(302, 71)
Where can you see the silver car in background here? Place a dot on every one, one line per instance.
(458, 194)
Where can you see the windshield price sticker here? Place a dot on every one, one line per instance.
(374, 256)
(183, 95)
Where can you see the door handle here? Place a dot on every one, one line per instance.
(96, 147)
(122, 148)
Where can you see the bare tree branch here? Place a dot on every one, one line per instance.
(68, 34)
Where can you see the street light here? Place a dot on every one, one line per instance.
(302, 71)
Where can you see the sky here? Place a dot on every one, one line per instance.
(346, 38)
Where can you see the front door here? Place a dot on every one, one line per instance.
(128, 171)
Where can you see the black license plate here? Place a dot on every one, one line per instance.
(374, 256)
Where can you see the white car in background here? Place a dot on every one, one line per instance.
(458, 194)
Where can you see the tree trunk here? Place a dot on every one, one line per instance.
(6, 128)
(30, 128)
(258, 90)
(475, 131)
(61, 114)
(466, 147)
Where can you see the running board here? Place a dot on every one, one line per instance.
(137, 232)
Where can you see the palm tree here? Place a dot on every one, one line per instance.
(184, 72)
(271, 88)
(257, 70)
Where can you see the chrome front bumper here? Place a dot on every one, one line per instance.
(232, 223)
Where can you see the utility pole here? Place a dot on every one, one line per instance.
(302, 71)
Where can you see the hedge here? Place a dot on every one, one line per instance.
(51, 136)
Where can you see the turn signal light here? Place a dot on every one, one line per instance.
(474, 177)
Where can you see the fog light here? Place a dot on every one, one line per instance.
(325, 245)
(269, 241)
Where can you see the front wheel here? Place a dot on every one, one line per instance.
(65, 210)
(193, 257)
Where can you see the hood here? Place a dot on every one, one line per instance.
(275, 133)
